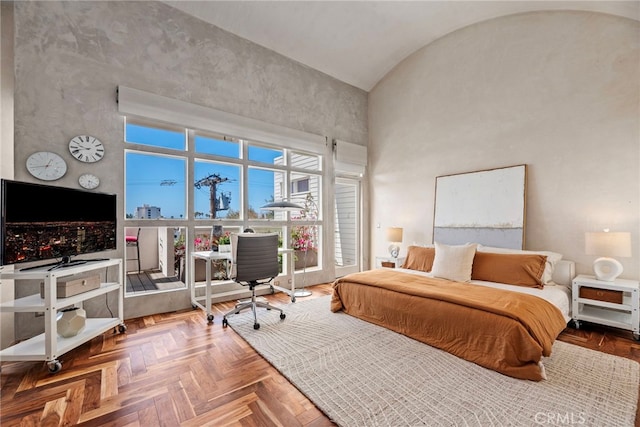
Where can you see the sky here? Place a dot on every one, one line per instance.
(160, 180)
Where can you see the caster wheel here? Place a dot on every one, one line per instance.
(122, 329)
(636, 337)
(54, 367)
(210, 318)
(293, 299)
(576, 324)
(283, 316)
(256, 326)
(193, 306)
(225, 323)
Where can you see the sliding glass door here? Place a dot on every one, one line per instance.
(347, 230)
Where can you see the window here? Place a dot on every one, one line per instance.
(300, 186)
(198, 182)
(217, 190)
(154, 136)
(155, 186)
(217, 145)
(265, 155)
(305, 161)
(263, 185)
(307, 193)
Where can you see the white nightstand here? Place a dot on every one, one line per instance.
(389, 262)
(607, 303)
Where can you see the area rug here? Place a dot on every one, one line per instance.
(360, 374)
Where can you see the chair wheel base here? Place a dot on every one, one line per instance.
(256, 326)
(283, 316)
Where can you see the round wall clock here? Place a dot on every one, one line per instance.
(89, 181)
(86, 148)
(46, 166)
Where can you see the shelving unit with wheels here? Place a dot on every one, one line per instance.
(49, 346)
(613, 303)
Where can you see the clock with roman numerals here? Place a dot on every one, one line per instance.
(86, 148)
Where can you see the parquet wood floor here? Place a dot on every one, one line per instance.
(176, 370)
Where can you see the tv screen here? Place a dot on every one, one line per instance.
(44, 222)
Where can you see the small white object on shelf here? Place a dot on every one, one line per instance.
(71, 322)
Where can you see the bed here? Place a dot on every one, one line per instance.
(499, 308)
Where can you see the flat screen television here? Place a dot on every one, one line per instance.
(43, 222)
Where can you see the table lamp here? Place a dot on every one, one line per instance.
(606, 244)
(394, 235)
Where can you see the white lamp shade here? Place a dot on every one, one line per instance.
(607, 245)
(394, 234)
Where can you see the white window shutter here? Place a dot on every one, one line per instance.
(350, 158)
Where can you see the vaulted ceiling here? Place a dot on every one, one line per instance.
(359, 42)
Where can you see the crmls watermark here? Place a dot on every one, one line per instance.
(560, 419)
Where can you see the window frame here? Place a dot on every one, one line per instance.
(195, 225)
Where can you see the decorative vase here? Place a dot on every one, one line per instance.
(71, 322)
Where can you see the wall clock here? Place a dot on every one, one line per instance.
(89, 181)
(86, 148)
(46, 166)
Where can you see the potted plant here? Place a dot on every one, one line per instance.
(224, 242)
(302, 242)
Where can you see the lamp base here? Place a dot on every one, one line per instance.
(607, 269)
(394, 250)
(302, 293)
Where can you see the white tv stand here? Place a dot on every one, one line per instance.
(48, 346)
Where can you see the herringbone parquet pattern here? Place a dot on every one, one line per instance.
(167, 370)
(176, 370)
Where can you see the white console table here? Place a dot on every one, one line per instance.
(48, 346)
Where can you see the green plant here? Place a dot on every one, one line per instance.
(225, 239)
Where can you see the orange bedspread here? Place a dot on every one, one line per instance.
(508, 332)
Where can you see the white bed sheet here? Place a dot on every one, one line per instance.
(558, 295)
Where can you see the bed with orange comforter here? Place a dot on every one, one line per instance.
(505, 331)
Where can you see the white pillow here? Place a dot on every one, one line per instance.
(552, 259)
(454, 262)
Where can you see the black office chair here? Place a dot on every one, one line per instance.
(255, 260)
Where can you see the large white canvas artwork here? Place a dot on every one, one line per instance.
(486, 207)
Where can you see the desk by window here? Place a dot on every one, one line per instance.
(209, 256)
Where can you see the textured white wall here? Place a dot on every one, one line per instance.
(558, 91)
(6, 143)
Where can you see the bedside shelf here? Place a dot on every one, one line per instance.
(389, 262)
(624, 315)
